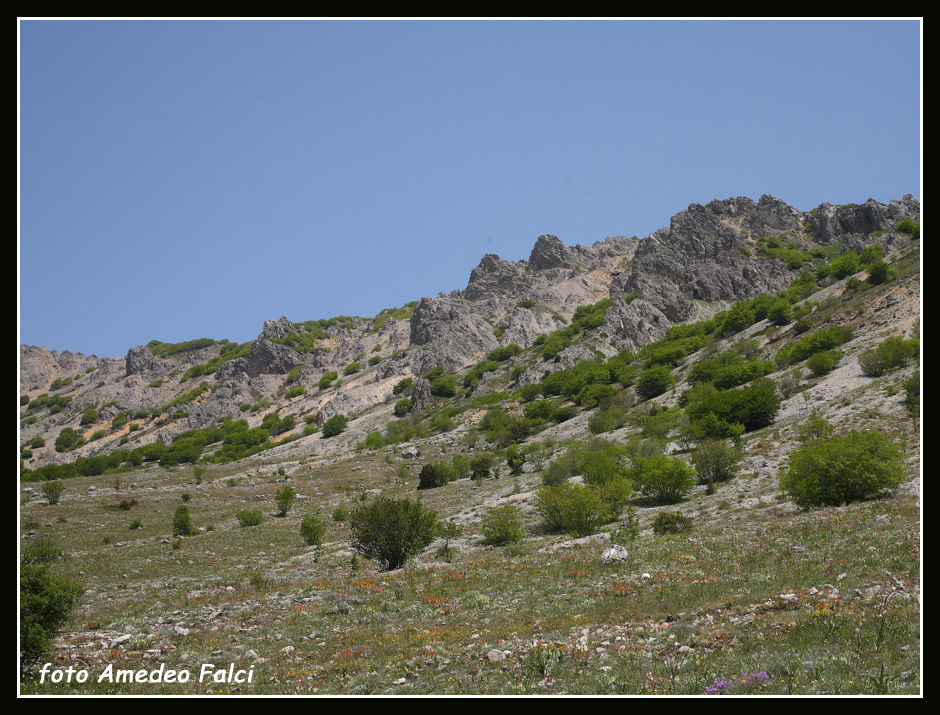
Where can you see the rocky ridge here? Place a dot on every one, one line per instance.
(706, 255)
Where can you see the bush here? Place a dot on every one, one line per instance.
(581, 510)
(445, 386)
(45, 604)
(671, 523)
(817, 342)
(846, 264)
(334, 425)
(284, 499)
(249, 518)
(89, 416)
(312, 530)
(352, 368)
(502, 525)
(66, 440)
(481, 465)
(402, 385)
(182, 524)
(435, 475)
(780, 312)
(515, 460)
(752, 406)
(390, 531)
(715, 461)
(893, 352)
(327, 379)
(539, 410)
(878, 273)
(840, 469)
(872, 253)
(662, 480)
(53, 491)
(504, 353)
(912, 391)
(823, 363)
(403, 406)
(653, 381)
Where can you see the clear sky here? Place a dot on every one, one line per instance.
(191, 179)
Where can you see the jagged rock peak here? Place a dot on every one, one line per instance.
(279, 328)
(140, 359)
(548, 252)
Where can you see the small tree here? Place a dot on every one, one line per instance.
(53, 491)
(839, 469)
(515, 459)
(481, 465)
(247, 517)
(715, 461)
(45, 604)
(312, 530)
(663, 480)
(182, 523)
(390, 531)
(653, 381)
(435, 475)
(334, 425)
(285, 499)
(502, 525)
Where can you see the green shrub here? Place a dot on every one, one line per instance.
(908, 226)
(402, 385)
(312, 530)
(502, 525)
(752, 406)
(581, 510)
(444, 386)
(515, 459)
(284, 498)
(504, 353)
(403, 406)
(481, 465)
(89, 416)
(352, 368)
(737, 318)
(539, 410)
(780, 312)
(653, 381)
(816, 342)
(715, 461)
(334, 425)
(436, 475)
(872, 253)
(182, 523)
(373, 441)
(390, 531)
(662, 480)
(840, 469)
(846, 264)
(53, 491)
(327, 380)
(891, 353)
(878, 273)
(671, 523)
(247, 517)
(823, 363)
(911, 388)
(46, 602)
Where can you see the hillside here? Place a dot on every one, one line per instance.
(492, 396)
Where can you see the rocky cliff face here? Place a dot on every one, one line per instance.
(706, 254)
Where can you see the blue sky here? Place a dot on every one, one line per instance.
(191, 179)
